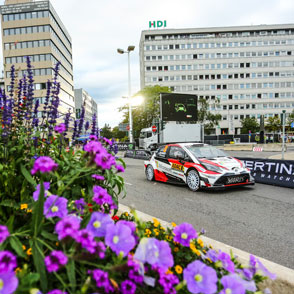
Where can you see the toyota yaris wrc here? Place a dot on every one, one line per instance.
(197, 165)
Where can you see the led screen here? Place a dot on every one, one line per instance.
(178, 107)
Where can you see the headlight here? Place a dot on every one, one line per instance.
(212, 167)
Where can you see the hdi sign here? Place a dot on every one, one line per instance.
(157, 24)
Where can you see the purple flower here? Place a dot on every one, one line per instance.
(55, 260)
(98, 223)
(100, 249)
(248, 285)
(4, 233)
(232, 285)
(38, 189)
(8, 282)
(224, 260)
(102, 280)
(200, 278)
(80, 204)
(56, 291)
(168, 281)
(93, 137)
(87, 241)
(184, 233)
(155, 252)
(44, 164)
(101, 197)
(95, 147)
(128, 287)
(212, 255)
(119, 238)
(7, 261)
(55, 206)
(104, 160)
(256, 265)
(98, 177)
(109, 142)
(67, 227)
(61, 128)
(119, 168)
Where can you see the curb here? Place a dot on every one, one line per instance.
(283, 273)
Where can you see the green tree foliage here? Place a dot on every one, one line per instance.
(117, 134)
(106, 131)
(273, 124)
(144, 114)
(249, 124)
(209, 119)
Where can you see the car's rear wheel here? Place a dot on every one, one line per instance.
(149, 173)
(193, 180)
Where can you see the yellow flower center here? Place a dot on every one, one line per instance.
(54, 208)
(96, 224)
(228, 291)
(156, 254)
(1, 284)
(184, 236)
(198, 278)
(115, 239)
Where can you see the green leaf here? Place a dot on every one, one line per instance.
(17, 246)
(38, 258)
(30, 279)
(38, 211)
(70, 269)
(9, 223)
(27, 175)
(49, 236)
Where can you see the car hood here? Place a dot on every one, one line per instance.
(229, 163)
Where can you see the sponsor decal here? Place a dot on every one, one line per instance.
(178, 166)
(271, 171)
(156, 163)
(165, 148)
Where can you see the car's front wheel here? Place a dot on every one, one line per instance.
(193, 180)
(149, 173)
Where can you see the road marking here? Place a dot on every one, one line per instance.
(188, 199)
(128, 184)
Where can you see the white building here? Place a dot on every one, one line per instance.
(83, 98)
(248, 69)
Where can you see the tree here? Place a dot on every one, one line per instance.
(106, 132)
(144, 114)
(249, 124)
(273, 124)
(117, 134)
(209, 119)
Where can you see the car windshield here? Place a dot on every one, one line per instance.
(205, 151)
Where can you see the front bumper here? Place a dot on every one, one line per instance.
(227, 180)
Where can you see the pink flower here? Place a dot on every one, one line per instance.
(44, 164)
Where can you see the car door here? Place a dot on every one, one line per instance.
(161, 161)
(177, 168)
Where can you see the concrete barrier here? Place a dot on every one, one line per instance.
(284, 284)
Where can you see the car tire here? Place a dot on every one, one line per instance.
(193, 180)
(149, 173)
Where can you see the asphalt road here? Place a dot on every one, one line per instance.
(258, 219)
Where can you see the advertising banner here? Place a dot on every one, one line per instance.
(138, 154)
(271, 171)
(125, 146)
(178, 107)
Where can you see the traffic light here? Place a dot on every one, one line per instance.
(162, 125)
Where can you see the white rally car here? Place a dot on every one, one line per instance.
(197, 165)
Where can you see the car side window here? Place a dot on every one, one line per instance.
(176, 151)
(161, 152)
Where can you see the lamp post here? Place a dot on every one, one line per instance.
(121, 51)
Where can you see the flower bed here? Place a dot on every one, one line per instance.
(59, 232)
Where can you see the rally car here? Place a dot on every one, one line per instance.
(196, 165)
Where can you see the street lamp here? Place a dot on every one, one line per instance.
(121, 51)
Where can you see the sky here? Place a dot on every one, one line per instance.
(99, 27)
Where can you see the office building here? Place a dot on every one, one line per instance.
(82, 98)
(242, 71)
(33, 28)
